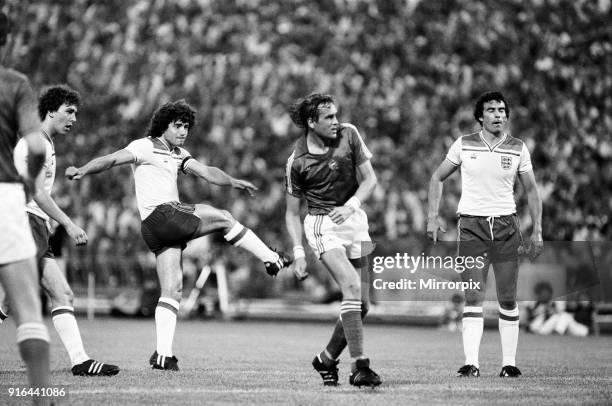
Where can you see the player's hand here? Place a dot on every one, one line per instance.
(339, 214)
(299, 268)
(244, 185)
(77, 234)
(73, 173)
(536, 246)
(433, 225)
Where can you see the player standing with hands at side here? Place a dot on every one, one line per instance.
(330, 167)
(490, 161)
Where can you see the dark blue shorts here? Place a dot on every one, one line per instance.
(41, 235)
(496, 238)
(169, 225)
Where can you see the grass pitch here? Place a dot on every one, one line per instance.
(269, 363)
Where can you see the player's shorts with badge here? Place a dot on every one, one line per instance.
(323, 234)
(497, 238)
(40, 233)
(169, 225)
(16, 242)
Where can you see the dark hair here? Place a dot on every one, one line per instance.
(487, 97)
(54, 96)
(542, 287)
(169, 113)
(5, 28)
(308, 108)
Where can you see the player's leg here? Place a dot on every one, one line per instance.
(213, 219)
(56, 286)
(349, 282)
(169, 272)
(20, 282)
(506, 277)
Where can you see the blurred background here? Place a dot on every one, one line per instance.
(405, 72)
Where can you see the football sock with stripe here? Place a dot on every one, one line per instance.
(33, 342)
(243, 237)
(473, 323)
(350, 314)
(66, 326)
(3, 316)
(165, 324)
(509, 332)
(337, 342)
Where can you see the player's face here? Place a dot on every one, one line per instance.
(176, 133)
(494, 117)
(327, 126)
(64, 118)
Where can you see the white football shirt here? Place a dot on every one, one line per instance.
(20, 157)
(488, 173)
(155, 172)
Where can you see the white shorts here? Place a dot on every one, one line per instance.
(16, 242)
(323, 234)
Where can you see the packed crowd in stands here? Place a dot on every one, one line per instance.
(405, 72)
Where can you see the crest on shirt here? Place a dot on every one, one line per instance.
(473, 156)
(333, 164)
(506, 162)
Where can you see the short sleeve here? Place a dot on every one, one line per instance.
(359, 148)
(27, 111)
(293, 183)
(142, 150)
(186, 158)
(454, 153)
(20, 157)
(525, 161)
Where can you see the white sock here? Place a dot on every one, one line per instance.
(241, 236)
(165, 324)
(473, 323)
(68, 331)
(509, 331)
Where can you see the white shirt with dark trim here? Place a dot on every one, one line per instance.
(156, 171)
(20, 157)
(488, 173)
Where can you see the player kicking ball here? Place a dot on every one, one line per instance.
(57, 108)
(167, 224)
(330, 168)
(490, 160)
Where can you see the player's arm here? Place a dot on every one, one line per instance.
(367, 182)
(101, 164)
(216, 176)
(48, 205)
(534, 201)
(36, 153)
(436, 184)
(294, 228)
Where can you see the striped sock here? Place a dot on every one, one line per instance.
(509, 331)
(241, 236)
(473, 323)
(33, 342)
(3, 315)
(350, 314)
(165, 324)
(66, 326)
(337, 342)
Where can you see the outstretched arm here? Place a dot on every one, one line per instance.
(443, 171)
(101, 164)
(294, 228)
(217, 177)
(534, 201)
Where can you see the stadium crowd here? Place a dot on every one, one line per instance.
(405, 72)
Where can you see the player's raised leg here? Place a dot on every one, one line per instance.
(212, 220)
(506, 277)
(55, 285)
(170, 276)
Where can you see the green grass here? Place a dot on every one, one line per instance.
(269, 363)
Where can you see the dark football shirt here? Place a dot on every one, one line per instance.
(326, 180)
(18, 116)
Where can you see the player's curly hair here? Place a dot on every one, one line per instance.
(487, 97)
(52, 98)
(308, 107)
(169, 113)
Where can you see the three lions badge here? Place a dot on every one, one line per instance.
(506, 162)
